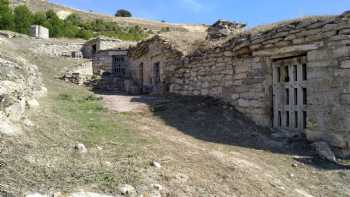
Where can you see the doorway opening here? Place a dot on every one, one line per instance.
(290, 93)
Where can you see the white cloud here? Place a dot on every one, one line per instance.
(193, 5)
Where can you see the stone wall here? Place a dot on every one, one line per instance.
(104, 59)
(240, 72)
(56, 47)
(38, 31)
(158, 52)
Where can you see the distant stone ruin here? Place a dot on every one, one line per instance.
(222, 29)
(38, 31)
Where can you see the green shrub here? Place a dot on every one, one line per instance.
(6, 16)
(23, 19)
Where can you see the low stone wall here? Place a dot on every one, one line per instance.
(80, 73)
(240, 71)
(54, 47)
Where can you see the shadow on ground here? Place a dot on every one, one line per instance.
(212, 121)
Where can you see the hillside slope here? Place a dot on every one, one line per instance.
(203, 149)
(42, 5)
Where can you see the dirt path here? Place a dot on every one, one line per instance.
(234, 167)
(126, 103)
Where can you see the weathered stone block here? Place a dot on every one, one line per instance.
(345, 99)
(241, 68)
(345, 64)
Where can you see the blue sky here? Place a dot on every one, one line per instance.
(252, 12)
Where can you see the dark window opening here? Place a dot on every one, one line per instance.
(296, 119)
(304, 119)
(295, 71)
(279, 74)
(156, 70)
(287, 96)
(279, 119)
(304, 72)
(286, 74)
(117, 67)
(287, 118)
(94, 49)
(295, 96)
(304, 96)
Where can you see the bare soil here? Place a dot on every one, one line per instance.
(222, 153)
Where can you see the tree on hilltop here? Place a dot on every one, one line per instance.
(123, 13)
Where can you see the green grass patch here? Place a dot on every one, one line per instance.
(97, 123)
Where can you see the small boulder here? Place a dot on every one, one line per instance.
(324, 151)
(8, 128)
(80, 148)
(127, 190)
(32, 104)
(157, 186)
(156, 164)
(28, 123)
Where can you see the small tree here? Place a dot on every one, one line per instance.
(73, 19)
(123, 13)
(39, 18)
(23, 19)
(6, 16)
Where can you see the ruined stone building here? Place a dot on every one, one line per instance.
(293, 76)
(153, 61)
(38, 31)
(102, 43)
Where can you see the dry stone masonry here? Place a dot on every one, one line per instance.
(294, 75)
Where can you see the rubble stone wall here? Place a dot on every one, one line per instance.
(240, 72)
(104, 59)
(56, 48)
(158, 52)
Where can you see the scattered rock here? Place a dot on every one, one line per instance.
(32, 104)
(28, 123)
(157, 186)
(109, 164)
(80, 148)
(156, 164)
(126, 189)
(295, 165)
(324, 151)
